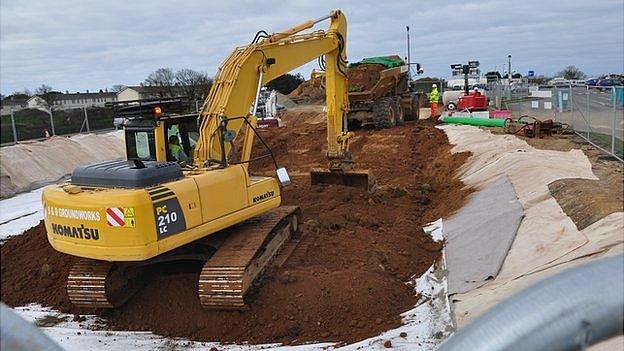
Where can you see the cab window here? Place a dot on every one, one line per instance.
(181, 134)
(140, 145)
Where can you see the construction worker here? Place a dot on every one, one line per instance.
(177, 152)
(433, 99)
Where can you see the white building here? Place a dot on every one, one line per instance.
(12, 105)
(75, 100)
(142, 92)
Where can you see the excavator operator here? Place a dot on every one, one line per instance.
(177, 152)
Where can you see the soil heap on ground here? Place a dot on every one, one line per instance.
(345, 281)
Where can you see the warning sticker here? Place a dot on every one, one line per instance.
(121, 217)
(129, 217)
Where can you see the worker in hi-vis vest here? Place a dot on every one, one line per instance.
(177, 152)
(433, 99)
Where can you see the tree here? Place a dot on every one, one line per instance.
(164, 79)
(516, 75)
(117, 88)
(286, 83)
(572, 73)
(48, 95)
(20, 95)
(195, 85)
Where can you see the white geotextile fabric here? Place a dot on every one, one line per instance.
(547, 239)
(27, 165)
(479, 235)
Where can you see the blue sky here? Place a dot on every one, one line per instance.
(79, 45)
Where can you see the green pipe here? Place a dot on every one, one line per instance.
(484, 122)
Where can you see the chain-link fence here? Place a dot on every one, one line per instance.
(594, 113)
(39, 124)
(32, 124)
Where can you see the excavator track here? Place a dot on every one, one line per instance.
(226, 277)
(101, 284)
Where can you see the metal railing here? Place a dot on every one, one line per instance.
(594, 113)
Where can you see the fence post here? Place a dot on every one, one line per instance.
(86, 118)
(13, 125)
(572, 108)
(52, 121)
(613, 124)
(588, 101)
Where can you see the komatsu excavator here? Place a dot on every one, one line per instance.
(121, 216)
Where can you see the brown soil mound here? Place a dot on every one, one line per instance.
(361, 78)
(364, 77)
(346, 280)
(310, 91)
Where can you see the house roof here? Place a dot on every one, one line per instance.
(149, 89)
(71, 96)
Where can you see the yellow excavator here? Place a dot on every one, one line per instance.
(122, 216)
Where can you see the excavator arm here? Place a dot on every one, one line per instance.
(235, 89)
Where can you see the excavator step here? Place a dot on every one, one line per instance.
(228, 275)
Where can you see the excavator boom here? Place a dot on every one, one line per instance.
(248, 68)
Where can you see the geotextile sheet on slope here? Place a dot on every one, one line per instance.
(479, 235)
(26, 166)
(547, 239)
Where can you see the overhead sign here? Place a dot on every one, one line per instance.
(531, 73)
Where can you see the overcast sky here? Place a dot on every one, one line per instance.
(79, 45)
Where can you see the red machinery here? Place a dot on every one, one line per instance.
(475, 101)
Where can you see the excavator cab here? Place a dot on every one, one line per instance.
(160, 130)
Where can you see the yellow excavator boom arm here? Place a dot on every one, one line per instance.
(248, 68)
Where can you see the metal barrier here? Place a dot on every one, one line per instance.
(595, 113)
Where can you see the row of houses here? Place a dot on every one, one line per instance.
(87, 99)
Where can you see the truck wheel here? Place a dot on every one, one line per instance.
(414, 109)
(400, 113)
(384, 113)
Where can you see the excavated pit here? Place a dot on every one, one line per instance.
(346, 280)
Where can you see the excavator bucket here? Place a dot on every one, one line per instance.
(358, 179)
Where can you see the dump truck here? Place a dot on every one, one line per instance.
(379, 93)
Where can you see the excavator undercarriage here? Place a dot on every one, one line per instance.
(231, 266)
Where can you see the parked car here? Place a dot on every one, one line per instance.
(559, 81)
(592, 82)
(609, 82)
(578, 83)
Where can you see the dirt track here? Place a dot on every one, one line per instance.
(345, 282)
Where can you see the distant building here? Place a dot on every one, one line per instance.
(141, 92)
(12, 105)
(74, 100)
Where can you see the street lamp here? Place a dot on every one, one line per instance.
(509, 68)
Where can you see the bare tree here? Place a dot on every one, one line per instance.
(117, 88)
(572, 72)
(48, 95)
(164, 79)
(195, 85)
